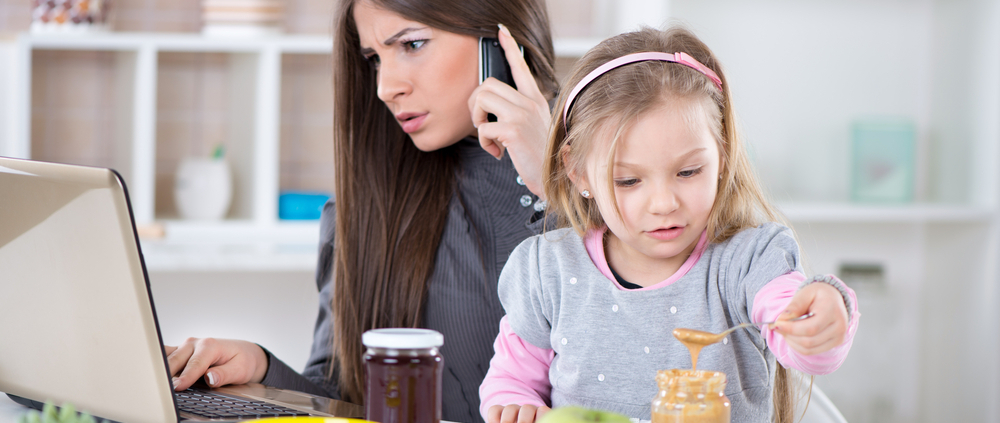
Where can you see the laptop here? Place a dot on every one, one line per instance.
(78, 320)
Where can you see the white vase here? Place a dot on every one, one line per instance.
(203, 188)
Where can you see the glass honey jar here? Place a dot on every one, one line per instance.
(691, 396)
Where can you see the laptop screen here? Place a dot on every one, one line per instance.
(79, 324)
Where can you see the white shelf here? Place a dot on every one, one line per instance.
(166, 256)
(871, 213)
(233, 246)
(178, 42)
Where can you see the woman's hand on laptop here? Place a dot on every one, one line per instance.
(221, 361)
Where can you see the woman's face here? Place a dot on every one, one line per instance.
(425, 75)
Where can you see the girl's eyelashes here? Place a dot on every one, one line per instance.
(626, 182)
(689, 172)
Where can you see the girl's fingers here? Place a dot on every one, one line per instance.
(518, 66)
(493, 414)
(825, 339)
(509, 414)
(526, 414)
(808, 327)
(815, 345)
(541, 412)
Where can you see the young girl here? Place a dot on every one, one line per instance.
(669, 229)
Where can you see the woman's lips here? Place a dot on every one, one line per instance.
(666, 234)
(411, 122)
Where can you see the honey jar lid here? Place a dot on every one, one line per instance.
(402, 338)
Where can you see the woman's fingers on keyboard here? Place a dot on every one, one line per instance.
(177, 357)
(203, 353)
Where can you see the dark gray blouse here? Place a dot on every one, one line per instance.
(489, 215)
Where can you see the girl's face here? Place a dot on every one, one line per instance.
(425, 75)
(665, 179)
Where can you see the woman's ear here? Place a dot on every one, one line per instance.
(580, 182)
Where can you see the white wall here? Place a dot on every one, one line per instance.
(800, 73)
(274, 309)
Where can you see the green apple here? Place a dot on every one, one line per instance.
(574, 414)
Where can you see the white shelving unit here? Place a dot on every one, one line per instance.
(255, 67)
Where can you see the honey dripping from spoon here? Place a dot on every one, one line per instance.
(695, 340)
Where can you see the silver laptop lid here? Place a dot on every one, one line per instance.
(78, 321)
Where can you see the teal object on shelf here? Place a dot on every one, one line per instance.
(299, 205)
(883, 160)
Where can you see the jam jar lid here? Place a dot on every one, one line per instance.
(402, 338)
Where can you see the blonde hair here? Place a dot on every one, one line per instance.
(615, 100)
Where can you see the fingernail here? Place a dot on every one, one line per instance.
(504, 29)
(211, 378)
(174, 381)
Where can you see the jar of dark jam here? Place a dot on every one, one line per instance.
(404, 369)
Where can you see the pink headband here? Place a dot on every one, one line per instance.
(682, 58)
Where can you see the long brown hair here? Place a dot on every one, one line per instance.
(391, 198)
(615, 100)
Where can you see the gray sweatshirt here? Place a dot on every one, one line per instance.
(609, 342)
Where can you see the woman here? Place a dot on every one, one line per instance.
(426, 215)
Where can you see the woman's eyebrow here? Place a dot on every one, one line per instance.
(404, 31)
(367, 51)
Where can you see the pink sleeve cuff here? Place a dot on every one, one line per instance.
(518, 374)
(772, 300)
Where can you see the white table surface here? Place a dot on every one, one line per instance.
(10, 410)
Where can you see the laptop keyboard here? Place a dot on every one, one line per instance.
(211, 404)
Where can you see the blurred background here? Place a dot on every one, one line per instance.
(875, 125)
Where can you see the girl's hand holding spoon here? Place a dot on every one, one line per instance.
(826, 329)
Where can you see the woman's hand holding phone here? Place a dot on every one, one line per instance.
(523, 117)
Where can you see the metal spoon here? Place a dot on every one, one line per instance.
(698, 337)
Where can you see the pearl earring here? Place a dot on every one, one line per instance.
(585, 194)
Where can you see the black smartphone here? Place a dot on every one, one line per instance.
(493, 63)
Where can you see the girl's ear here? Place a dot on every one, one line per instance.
(580, 182)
